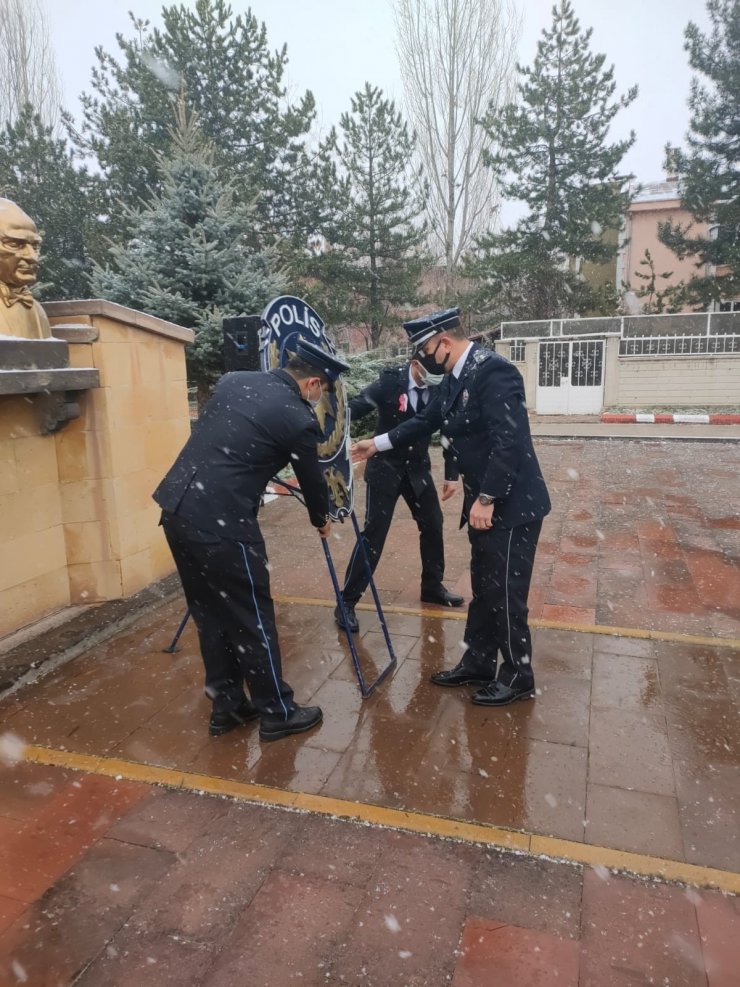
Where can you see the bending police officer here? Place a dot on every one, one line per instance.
(253, 426)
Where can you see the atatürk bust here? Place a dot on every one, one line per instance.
(20, 313)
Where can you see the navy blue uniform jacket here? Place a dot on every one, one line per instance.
(485, 429)
(386, 396)
(253, 426)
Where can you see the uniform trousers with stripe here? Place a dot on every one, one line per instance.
(382, 496)
(501, 571)
(227, 587)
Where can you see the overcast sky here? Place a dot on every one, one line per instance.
(335, 46)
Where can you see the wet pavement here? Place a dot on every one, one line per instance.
(627, 759)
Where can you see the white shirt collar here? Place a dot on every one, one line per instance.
(457, 369)
(412, 382)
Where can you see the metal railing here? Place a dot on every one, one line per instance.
(657, 346)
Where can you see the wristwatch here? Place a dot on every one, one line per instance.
(485, 499)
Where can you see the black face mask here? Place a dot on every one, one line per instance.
(429, 361)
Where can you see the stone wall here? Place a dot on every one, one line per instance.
(77, 522)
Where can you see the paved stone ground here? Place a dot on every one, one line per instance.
(631, 745)
(112, 883)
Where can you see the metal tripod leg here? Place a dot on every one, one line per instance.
(365, 689)
(172, 648)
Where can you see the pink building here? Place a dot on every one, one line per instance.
(655, 203)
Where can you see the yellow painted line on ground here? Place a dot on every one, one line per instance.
(423, 824)
(731, 643)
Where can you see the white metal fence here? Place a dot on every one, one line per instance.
(679, 346)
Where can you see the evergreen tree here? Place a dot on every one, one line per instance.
(40, 173)
(189, 259)
(554, 155)
(709, 171)
(370, 259)
(656, 299)
(227, 73)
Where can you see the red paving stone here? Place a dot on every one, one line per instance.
(494, 955)
(271, 897)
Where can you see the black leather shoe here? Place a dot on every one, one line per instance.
(354, 625)
(459, 675)
(301, 718)
(225, 722)
(442, 596)
(498, 694)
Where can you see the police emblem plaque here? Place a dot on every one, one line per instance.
(283, 321)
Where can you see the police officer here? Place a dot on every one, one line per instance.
(397, 395)
(484, 421)
(253, 426)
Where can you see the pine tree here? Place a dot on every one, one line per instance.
(554, 155)
(189, 259)
(709, 171)
(656, 300)
(372, 259)
(230, 77)
(39, 172)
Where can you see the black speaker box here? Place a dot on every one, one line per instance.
(241, 343)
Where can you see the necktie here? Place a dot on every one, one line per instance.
(421, 397)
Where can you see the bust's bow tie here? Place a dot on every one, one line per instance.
(10, 297)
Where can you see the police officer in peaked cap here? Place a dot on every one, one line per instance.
(397, 395)
(483, 418)
(254, 425)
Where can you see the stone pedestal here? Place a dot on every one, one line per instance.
(77, 522)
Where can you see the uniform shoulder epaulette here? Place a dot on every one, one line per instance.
(481, 355)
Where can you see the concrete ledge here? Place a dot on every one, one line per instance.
(668, 418)
(118, 313)
(37, 653)
(72, 332)
(43, 381)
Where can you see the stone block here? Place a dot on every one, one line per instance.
(31, 555)
(81, 355)
(8, 477)
(83, 455)
(29, 510)
(87, 541)
(116, 363)
(87, 500)
(136, 572)
(163, 442)
(18, 417)
(133, 533)
(133, 492)
(36, 461)
(26, 602)
(127, 451)
(173, 356)
(175, 393)
(92, 582)
(127, 406)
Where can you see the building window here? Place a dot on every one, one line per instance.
(517, 351)
(730, 306)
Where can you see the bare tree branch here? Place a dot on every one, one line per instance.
(457, 62)
(28, 72)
